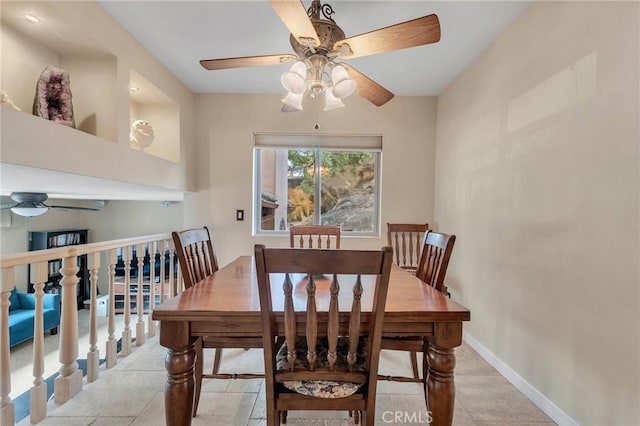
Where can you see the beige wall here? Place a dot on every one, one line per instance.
(537, 174)
(93, 104)
(224, 138)
(19, 76)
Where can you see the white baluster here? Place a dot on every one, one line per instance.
(7, 416)
(153, 250)
(38, 393)
(140, 297)
(112, 344)
(163, 277)
(126, 333)
(93, 356)
(69, 382)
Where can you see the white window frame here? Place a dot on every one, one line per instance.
(317, 143)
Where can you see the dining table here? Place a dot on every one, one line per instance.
(226, 303)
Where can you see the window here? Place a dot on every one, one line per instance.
(303, 184)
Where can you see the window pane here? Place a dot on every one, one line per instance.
(301, 187)
(273, 189)
(348, 190)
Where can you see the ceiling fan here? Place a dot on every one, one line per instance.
(318, 41)
(32, 204)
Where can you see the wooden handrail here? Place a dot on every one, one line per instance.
(24, 258)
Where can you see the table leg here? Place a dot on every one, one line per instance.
(179, 362)
(441, 391)
(441, 360)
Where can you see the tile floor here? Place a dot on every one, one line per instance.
(131, 393)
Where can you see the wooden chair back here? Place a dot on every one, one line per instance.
(434, 261)
(195, 254)
(197, 260)
(406, 240)
(320, 293)
(311, 233)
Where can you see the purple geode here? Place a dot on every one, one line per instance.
(53, 96)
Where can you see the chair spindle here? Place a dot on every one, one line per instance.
(312, 323)
(354, 323)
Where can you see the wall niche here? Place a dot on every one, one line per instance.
(28, 47)
(150, 104)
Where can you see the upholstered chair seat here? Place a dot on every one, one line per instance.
(322, 388)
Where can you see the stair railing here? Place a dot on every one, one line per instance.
(70, 379)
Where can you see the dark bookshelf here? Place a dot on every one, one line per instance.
(41, 240)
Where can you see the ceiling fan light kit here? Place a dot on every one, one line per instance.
(294, 80)
(31, 204)
(331, 101)
(293, 101)
(343, 85)
(310, 75)
(29, 210)
(318, 41)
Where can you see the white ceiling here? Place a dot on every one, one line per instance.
(180, 33)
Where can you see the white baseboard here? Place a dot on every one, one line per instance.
(544, 403)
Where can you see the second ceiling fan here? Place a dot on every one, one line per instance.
(318, 41)
(31, 204)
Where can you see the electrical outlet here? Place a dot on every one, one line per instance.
(239, 214)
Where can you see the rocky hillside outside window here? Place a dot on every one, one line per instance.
(310, 185)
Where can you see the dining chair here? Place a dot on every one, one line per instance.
(197, 261)
(406, 240)
(431, 269)
(196, 257)
(328, 357)
(434, 261)
(311, 233)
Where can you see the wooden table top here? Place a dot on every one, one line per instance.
(233, 290)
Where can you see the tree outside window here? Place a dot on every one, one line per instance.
(302, 186)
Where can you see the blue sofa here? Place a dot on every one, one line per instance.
(22, 314)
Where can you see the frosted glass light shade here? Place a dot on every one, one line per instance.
(29, 211)
(331, 102)
(343, 85)
(294, 100)
(294, 79)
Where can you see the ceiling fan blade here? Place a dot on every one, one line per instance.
(368, 88)
(416, 32)
(294, 16)
(73, 208)
(247, 61)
